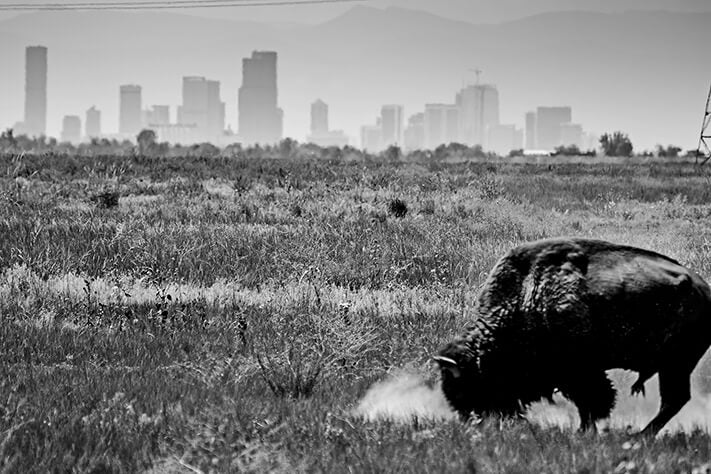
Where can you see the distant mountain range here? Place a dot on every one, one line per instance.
(644, 72)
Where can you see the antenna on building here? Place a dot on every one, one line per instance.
(477, 72)
(704, 148)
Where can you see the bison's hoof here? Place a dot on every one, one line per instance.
(638, 388)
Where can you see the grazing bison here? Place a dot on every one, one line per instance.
(558, 313)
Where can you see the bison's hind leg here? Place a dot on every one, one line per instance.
(593, 394)
(679, 358)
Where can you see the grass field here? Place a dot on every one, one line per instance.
(229, 315)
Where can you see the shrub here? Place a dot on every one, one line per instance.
(397, 208)
(106, 200)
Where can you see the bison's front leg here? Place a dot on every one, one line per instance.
(593, 394)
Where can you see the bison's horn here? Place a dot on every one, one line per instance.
(442, 360)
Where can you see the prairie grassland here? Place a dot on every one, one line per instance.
(273, 315)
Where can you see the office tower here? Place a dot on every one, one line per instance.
(391, 117)
(130, 110)
(415, 133)
(93, 123)
(371, 138)
(441, 124)
(156, 116)
(260, 118)
(319, 118)
(35, 123)
(193, 111)
(321, 135)
(571, 134)
(478, 109)
(202, 108)
(502, 139)
(530, 130)
(215, 111)
(548, 126)
(71, 129)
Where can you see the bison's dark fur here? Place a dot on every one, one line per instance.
(556, 314)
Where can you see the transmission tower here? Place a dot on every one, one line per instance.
(704, 150)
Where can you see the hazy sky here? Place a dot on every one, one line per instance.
(643, 73)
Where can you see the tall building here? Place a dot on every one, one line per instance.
(571, 134)
(71, 129)
(371, 138)
(156, 116)
(502, 139)
(548, 126)
(93, 123)
(319, 118)
(215, 111)
(415, 133)
(202, 108)
(130, 110)
(441, 124)
(260, 118)
(35, 91)
(321, 135)
(530, 130)
(391, 117)
(478, 109)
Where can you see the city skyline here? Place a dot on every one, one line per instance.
(473, 119)
(353, 101)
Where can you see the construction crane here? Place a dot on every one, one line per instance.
(704, 149)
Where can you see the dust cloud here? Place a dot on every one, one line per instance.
(402, 396)
(406, 394)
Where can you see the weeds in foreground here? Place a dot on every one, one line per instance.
(228, 315)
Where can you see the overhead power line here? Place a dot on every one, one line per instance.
(161, 4)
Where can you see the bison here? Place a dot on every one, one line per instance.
(556, 314)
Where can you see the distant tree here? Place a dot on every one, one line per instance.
(670, 151)
(7, 138)
(146, 140)
(392, 153)
(287, 147)
(515, 153)
(569, 150)
(617, 144)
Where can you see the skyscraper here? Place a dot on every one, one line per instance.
(321, 134)
(502, 139)
(93, 123)
(157, 116)
(319, 118)
(35, 91)
(371, 138)
(530, 130)
(130, 110)
(260, 118)
(478, 109)
(202, 108)
(215, 111)
(71, 129)
(548, 126)
(415, 133)
(571, 134)
(441, 125)
(392, 124)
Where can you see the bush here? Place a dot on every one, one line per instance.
(397, 208)
(106, 200)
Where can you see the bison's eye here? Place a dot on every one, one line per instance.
(448, 365)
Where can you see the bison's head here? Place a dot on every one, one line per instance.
(460, 377)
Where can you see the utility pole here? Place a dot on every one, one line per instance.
(704, 149)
